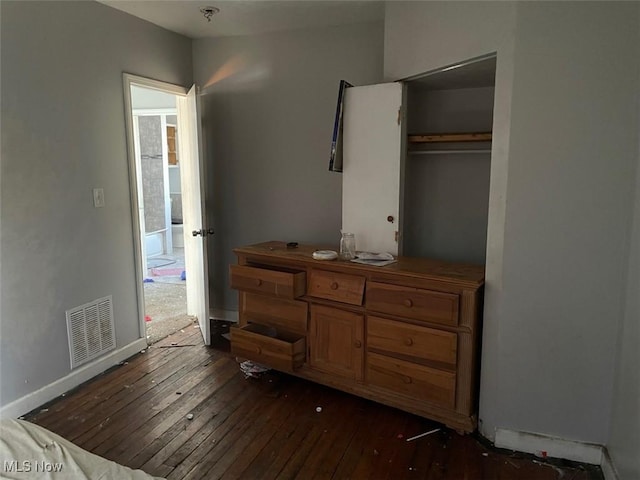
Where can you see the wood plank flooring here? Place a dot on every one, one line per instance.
(266, 428)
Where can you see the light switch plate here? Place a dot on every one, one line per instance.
(98, 197)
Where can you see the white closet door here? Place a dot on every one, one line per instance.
(373, 153)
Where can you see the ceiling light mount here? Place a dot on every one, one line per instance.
(209, 12)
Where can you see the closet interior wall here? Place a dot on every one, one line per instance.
(446, 194)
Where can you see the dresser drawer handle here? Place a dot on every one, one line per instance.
(258, 350)
(334, 286)
(357, 344)
(408, 341)
(408, 303)
(258, 282)
(407, 380)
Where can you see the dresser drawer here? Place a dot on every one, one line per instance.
(339, 287)
(412, 340)
(414, 303)
(269, 346)
(270, 282)
(278, 312)
(417, 381)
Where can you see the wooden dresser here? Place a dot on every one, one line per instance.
(406, 334)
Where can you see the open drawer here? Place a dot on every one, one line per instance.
(280, 350)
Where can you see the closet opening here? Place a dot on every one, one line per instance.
(445, 200)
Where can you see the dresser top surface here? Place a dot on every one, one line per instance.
(472, 275)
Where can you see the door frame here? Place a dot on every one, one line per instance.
(130, 80)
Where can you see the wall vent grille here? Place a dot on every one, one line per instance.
(90, 330)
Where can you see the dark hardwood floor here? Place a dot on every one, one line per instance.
(138, 414)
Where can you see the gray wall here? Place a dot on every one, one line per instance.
(446, 207)
(424, 36)
(565, 149)
(269, 103)
(624, 443)
(574, 139)
(63, 133)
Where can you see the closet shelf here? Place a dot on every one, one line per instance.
(439, 152)
(451, 137)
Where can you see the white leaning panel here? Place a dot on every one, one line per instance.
(373, 128)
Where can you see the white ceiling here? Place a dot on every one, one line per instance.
(249, 17)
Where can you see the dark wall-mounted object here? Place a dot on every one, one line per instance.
(335, 161)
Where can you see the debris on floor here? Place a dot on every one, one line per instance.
(167, 272)
(251, 369)
(423, 434)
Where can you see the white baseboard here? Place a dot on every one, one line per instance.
(551, 446)
(47, 393)
(608, 469)
(219, 314)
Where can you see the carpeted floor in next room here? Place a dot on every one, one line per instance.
(165, 310)
(165, 296)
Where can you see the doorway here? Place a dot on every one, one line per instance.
(160, 211)
(164, 165)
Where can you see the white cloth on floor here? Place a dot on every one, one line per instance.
(30, 451)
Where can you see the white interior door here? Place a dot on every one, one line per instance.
(193, 213)
(373, 169)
